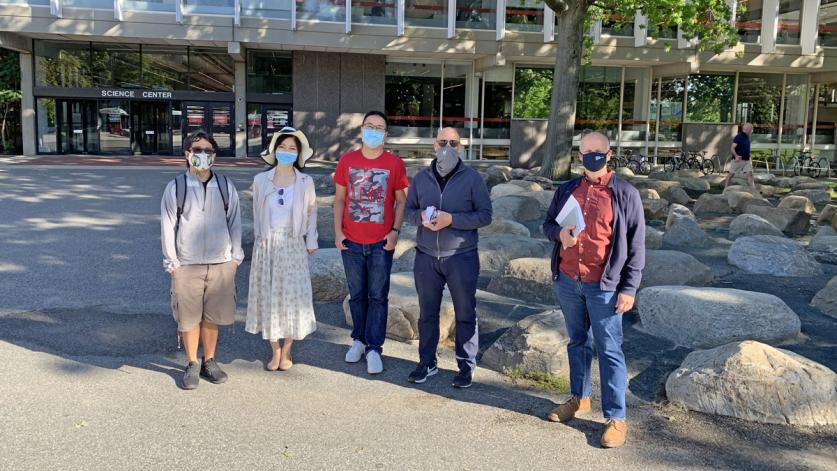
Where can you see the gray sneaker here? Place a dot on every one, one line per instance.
(191, 377)
(211, 372)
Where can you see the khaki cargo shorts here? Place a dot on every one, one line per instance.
(739, 166)
(203, 293)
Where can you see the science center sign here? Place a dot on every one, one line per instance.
(148, 94)
(132, 94)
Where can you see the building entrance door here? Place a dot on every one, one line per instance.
(216, 118)
(78, 125)
(151, 125)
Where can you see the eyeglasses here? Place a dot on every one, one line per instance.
(374, 128)
(444, 142)
(281, 199)
(199, 150)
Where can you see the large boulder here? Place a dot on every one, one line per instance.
(519, 173)
(787, 220)
(544, 198)
(536, 344)
(693, 184)
(404, 256)
(403, 312)
(624, 172)
(526, 185)
(772, 255)
(800, 203)
(827, 215)
(526, 278)
(818, 197)
(325, 224)
(685, 233)
(517, 208)
(810, 185)
(715, 180)
(659, 186)
(756, 382)
(676, 212)
(709, 317)
(653, 238)
(496, 175)
(505, 189)
(765, 178)
(750, 225)
(655, 209)
(501, 226)
(675, 194)
(826, 299)
(328, 278)
(648, 194)
(824, 245)
(497, 250)
(709, 203)
(669, 267)
(544, 182)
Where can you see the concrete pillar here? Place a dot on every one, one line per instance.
(27, 103)
(769, 25)
(808, 26)
(640, 30)
(240, 110)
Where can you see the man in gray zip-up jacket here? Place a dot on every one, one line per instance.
(448, 201)
(201, 251)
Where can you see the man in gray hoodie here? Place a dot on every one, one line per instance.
(200, 232)
(448, 201)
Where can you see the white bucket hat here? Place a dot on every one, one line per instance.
(305, 153)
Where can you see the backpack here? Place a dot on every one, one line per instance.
(180, 192)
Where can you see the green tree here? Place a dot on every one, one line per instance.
(10, 97)
(706, 20)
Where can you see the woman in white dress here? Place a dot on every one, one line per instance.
(280, 304)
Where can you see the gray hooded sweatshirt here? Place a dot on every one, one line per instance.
(206, 235)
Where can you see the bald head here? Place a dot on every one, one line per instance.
(448, 134)
(747, 128)
(594, 142)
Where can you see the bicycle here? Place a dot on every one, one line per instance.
(678, 161)
(698, 160)
(804, 163)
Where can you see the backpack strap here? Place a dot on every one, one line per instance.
(224, 189)
(180, 194)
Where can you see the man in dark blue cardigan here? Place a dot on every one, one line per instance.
(448, 201)
(596, 271)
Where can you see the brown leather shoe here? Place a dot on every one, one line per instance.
(614, 434)
(569, 409)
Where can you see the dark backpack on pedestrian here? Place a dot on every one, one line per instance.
(180, 193)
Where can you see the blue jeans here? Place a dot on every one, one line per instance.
(367, 273)
(460, 272)
(590, 313)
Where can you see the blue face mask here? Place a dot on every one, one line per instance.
(373, 138)
(594, 161)
(285, 158)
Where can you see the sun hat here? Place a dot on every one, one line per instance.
(305, 153)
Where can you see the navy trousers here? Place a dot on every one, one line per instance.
(460, 273)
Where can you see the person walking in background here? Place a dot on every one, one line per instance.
(448, 202)
(368, 213)
(597, 271)
(200, 231)
(280, 303)
(741, 156)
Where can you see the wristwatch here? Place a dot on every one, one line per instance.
(395, 229)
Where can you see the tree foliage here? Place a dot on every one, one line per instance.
(706, 21)
(10, 96)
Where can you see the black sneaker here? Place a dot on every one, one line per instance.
(463, 380)
(211, 372)
(421, 373)
(191, 377)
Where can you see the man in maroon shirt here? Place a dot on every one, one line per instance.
(597, 271)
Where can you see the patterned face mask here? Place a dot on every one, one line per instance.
(201, 161)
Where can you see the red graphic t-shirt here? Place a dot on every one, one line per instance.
(370, 194)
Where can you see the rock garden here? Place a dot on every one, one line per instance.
(736, 316)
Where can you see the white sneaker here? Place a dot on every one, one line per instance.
(374, 365)
(355, 352)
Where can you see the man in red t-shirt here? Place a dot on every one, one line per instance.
(368, 213)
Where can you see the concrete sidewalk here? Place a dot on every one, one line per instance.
(90, 370)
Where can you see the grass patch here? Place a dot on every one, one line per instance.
(540, 380)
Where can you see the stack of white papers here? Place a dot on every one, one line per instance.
(570, 215)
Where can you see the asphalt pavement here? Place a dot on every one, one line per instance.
(91, 368)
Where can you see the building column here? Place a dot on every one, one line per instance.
(640, 29)
(769, 25)
(240, 110)
(27, 104)
(808, 26)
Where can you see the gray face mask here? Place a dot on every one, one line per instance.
(446, 159)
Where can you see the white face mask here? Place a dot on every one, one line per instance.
(201, 161)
